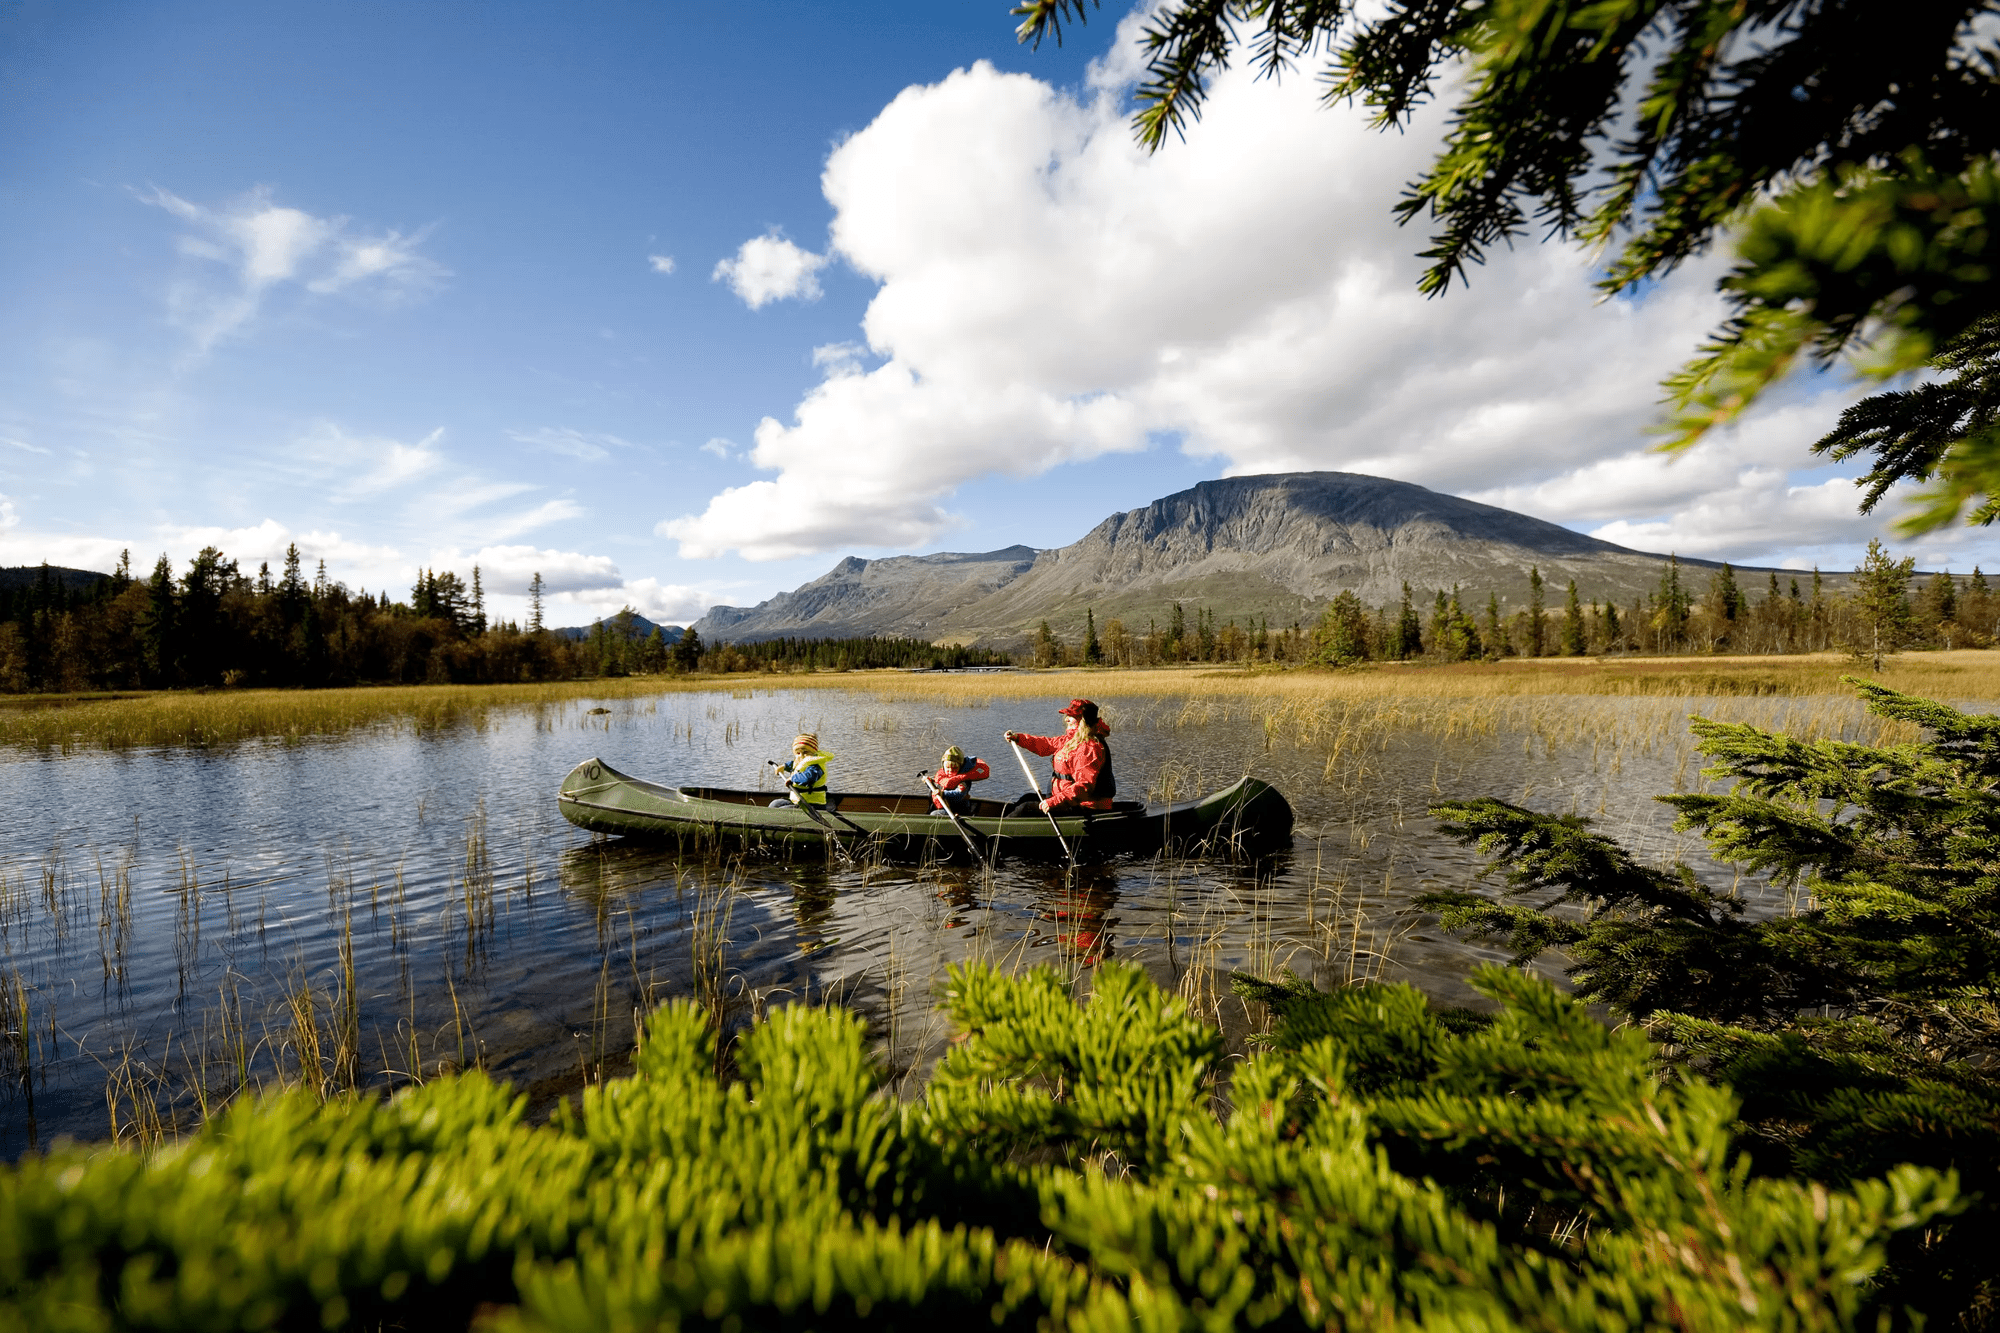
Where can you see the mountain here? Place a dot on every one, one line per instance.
(640, 628)
(907, 596)
(1279, 546)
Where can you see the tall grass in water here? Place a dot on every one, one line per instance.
(17, 1042)
(69, 723)
(221, 717)
(1963, 674)
(708, 954)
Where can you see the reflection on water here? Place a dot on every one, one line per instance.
(370, 909)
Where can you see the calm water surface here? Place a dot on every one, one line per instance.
(163, 911)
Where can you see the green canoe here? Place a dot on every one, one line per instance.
(1248, 816)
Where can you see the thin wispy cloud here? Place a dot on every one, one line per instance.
(372, 465)
(770, 268)
(720, 447)
(662, 264)
(588, 446)
(513, 525)
(467, 494)
(263, 246)
(22, 445)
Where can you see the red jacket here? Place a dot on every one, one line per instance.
(960, 779)
(1077, 772)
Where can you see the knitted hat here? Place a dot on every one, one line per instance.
(806, 740)
(954, 757)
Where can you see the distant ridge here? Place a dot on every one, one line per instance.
(901, 596)
(15, 577)
(1279, 546)
(641, 628)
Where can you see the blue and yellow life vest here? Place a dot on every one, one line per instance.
(805, 776)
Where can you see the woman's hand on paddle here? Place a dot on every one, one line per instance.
(1012, 736)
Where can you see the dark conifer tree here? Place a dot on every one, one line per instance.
(1670, 608)
(1725, 599)
(1409, 629)
(1881, 600)
(1537, 627)
(1574, 642)
(159, 627)
(1940, 602)
(1496, 633)
(1342, 636)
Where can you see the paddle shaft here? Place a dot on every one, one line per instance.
(1034, 782)
(965, 830)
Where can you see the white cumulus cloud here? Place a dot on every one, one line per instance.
(770, 268)
(1049, 293)
(661, 263)
(577, 587)
(509, 569)
(266, 542)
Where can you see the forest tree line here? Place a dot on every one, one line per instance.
(1885, 608)
(216, 626)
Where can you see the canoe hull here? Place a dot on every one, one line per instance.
(1249, 817)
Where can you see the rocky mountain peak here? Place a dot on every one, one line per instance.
(1277, 545)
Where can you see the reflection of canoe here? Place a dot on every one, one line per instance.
(1248, 815)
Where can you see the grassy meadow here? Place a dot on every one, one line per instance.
(1300, 702)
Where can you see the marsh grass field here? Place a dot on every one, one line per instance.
(66, 723)
(202, 895)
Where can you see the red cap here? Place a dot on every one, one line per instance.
(1080, 708)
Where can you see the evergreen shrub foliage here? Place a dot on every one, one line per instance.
(1862, 1030)
(1071, 1166)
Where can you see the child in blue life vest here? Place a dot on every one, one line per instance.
(804, 773)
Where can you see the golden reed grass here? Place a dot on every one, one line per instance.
(219, 717)
(71, 723)
(1952, 675)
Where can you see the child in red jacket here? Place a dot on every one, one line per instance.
(955, 777)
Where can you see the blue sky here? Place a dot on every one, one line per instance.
(681, 304)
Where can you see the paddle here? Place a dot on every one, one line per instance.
(1035, 783)
(813, 814)
(964, 829)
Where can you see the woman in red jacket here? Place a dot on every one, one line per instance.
(1083, 779)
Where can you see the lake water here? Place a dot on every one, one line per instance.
(163, 912)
